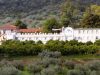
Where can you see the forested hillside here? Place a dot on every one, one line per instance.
(26, 6)
(37, 10)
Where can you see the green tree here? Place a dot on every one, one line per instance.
(97, 42)
(39, 42)
(95, 9)
(91, 21)
(73, 42)
(91, 17)
(69, 13)
(54, 45)
(20, 24)
(65, 21)
(49, 24)
(89, 43)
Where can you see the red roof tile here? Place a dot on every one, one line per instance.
(8, 27)
(12, 27)
(29, 30)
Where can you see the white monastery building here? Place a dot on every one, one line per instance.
(11, 32)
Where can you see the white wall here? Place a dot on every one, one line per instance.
(82, 35)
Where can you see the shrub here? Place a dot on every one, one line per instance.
(69, 64)
(73, 42)
(97, 42)
(89, 43)
(5, 63)
(9, 71)
(93, 73)
(48, 71)
(83, 69)
(45, 62)
(58, 68)
(54, 61)
(94, 65)
(74, 72)
(55, 48)
(34, 68)
(18, 64)
(55, 54)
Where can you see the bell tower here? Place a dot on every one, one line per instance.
(68, 32)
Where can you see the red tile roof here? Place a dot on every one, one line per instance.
(29, 30)
(8, 27)
(12, 27)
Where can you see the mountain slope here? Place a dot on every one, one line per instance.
(33, 12)
(26, 6)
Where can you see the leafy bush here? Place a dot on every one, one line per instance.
(69, 64)
(18, 64)
(83, 69)
(74, 72)
(5, 63)
(58, 68)
(34, 68)
(48, 71)
(55, 54)
(50, 65)
(94, 73)
(9, 71)
(94, 65)
(51, 49)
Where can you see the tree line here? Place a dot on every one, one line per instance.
(72, 15)
(30, 48)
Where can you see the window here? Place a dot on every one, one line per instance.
(96, 31)
(97, 37)
(79, 31)
(36, 38)
(29, 38)
(45, 38)
(87, 31)
(4, 31)
(11, 30)
(16, 38)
